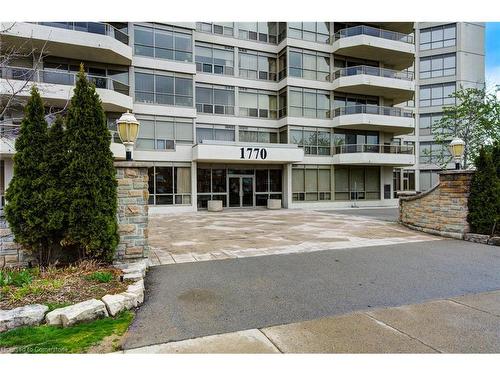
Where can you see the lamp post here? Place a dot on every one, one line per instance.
(457, 148)
(128, 129)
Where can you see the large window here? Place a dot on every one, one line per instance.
(428, 179)
(257, 65)
(426, 121)
(438, 37)
(214, 99)
(309, 103)
(162, 133)
(257, 103)
(268, 185)
(211, 132)
(346, 140)
(221, 28)
(258, 135)
(266, 32)
(214, 59)
(309, 64)
(312, 31)
(352, 104)
(164, 88)
(438, 66)
(169, 185)
(437, 95)
(433, 153)
(282, 64)
(163, 42)
(357, 183)
(311, 183)
(315, 141)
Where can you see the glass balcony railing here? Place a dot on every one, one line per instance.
(373, 71)
(372, 110)
(61, 78)
(376, 149)
(373, 31)
(101, 28)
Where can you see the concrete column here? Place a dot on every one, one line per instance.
(194, 186)
(287, 185)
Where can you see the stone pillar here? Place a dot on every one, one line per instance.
(11, 254)
(132, 211)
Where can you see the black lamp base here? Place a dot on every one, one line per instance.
(128, 155)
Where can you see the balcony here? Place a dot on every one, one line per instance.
(87, 41)
(365, 154)
(365, 42)
(56, 87)
(369, 80)
(371, 117)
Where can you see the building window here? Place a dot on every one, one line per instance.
(438, 37)
(437, 95)
(433, 153)
(311, 183)
(210, 132)
(437, 66)
(282, 64)
(257, 103)
(214, 99)
(309, 64)
(409, 180)
(348, 141)
(428, 179)
(311, 31)
(258, 135)
(426, 122)
(282, 103)
(309, 103)
(169, 185)
(315, 141)
(266, 32)
(162, 133)
(163, 42)
(257, 65)
(221, 28)
(214, 59)
(357, 183)
(164, 88)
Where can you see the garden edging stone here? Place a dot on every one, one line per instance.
(29, 315)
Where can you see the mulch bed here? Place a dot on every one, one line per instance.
(57, 287)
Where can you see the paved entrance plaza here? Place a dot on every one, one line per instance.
(200, 236)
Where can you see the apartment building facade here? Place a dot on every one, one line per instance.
(317, 114)
(448, 56)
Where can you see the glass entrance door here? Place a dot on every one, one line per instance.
(241, 191)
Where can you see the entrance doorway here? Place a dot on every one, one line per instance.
(241, 190)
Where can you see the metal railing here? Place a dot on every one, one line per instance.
(101, 28)
(373, 71)
(373, 31)
(377, 149)
(372, 110)
(61, 78)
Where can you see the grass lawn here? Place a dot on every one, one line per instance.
(76, 339)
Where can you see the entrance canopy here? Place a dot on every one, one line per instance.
(243, 152)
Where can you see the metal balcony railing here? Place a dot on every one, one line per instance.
(61, 78)
(377, 149)
(373, 31)
(371, 110)
(101, 28)
(373, 71)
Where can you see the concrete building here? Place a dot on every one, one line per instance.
(317, 114)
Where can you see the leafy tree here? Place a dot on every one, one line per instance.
(25, 209)
(55, 195)
(475, 118)
(495, 154)
(484, 198)
(90, 175)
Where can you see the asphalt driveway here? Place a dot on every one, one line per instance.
(205, 298)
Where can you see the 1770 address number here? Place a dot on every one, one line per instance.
(253, 153)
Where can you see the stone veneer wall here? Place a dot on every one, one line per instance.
(132, 219)
(441, 210)
(133, 196)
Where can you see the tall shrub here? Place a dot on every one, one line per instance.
(484, 198)
(90, 175)
(26, 209)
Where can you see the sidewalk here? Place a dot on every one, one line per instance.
(468, 324)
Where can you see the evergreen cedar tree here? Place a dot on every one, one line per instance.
(90, 177)
(26, 208)
(484, 198)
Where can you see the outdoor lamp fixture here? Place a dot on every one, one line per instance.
(128, 129)
(457, 148)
